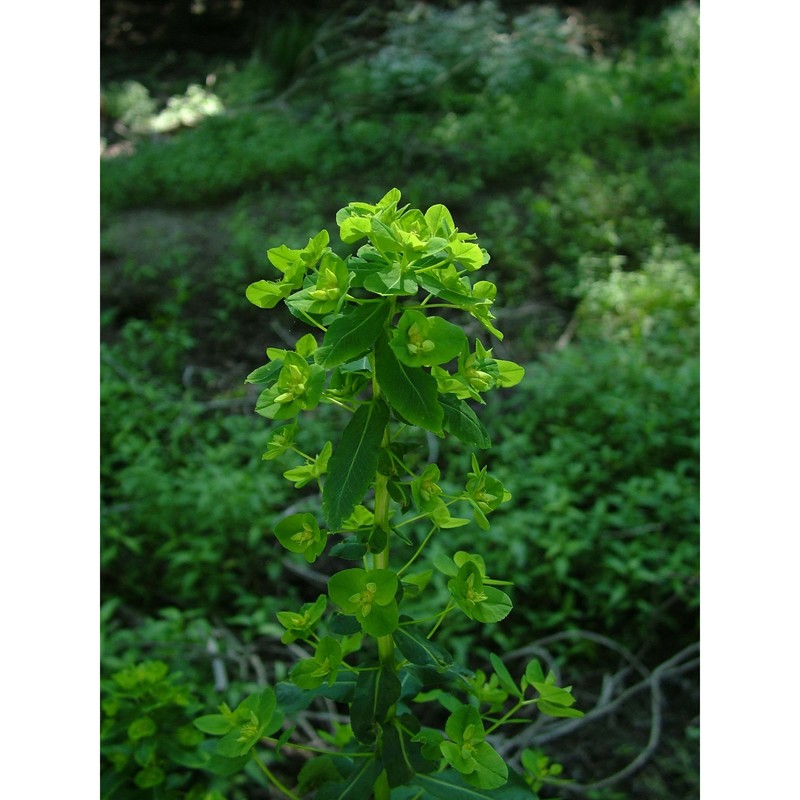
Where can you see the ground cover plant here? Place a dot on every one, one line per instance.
(571, 146)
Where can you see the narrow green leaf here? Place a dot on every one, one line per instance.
(353, 463)
(402, 757)
(463, 423)
(357, 785)
(420, 650)
(553, 710)
(266, 373)
(396, 758)
(449, 785)
(350, 549)
(554, 694)
(411, 391)
(377, 690)
(504, 676)
(352, 334)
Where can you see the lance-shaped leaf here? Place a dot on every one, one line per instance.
(463, 423)
(352, 334)
(411, 391)
(357, 785)
(402, 756)
(377, 690)
(449, 785)
(265, 374)
(352, 466)
(504, 676)
(420, 650)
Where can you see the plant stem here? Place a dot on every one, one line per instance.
(448, 609)
(381, 560)
(419, 550)
(520, 704)
(275, 782)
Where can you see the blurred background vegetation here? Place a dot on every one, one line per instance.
(567, 138)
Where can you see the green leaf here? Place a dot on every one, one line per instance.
(253, 718)
(149, 777)
(353, 463)
(352, 334)
(504, 676)
(396, 756)
(534, 672)
(510, 374)
(343, 625)
(463, 423)
(322, 668)
(449, 785)
(377, 690)
(350, 549)
(141, 728)
(393, 280)
(401, 756)
(423, 341)
(475, 759)
(267, 294)
(554, 694)
(266, 373)
(357, 785)
(354, 228)
(470, 255)
(381, 620)
(215, 724)
(420, 650)
(284, 258)
(369, 595)
(225, 767)
(317, 772)
(299, 533)
(411, 391)
(440, 221)
(553, 710)
(478, 601)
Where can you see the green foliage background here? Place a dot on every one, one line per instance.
(569, 143)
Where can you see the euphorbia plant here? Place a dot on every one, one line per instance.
(383, 348)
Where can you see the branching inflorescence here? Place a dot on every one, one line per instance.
(382, 349)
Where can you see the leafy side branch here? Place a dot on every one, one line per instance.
(378, 351)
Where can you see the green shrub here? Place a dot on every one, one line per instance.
(148, 743)
(604, 530)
